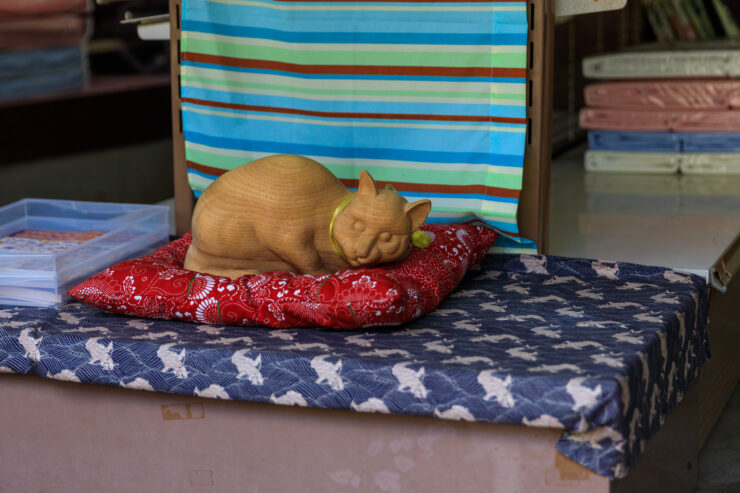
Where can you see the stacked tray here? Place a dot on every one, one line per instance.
(46, 246)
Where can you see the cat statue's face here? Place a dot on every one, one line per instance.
(376, 225)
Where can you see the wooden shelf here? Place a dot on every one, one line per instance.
(112, 111)
(99, 85)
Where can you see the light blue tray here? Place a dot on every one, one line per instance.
(41, 279)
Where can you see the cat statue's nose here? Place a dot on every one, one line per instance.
(366, 246)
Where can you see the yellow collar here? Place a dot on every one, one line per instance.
(334, 243)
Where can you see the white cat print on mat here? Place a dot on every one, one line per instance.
(248, 367)
(410, 380)
(172, 361)
(99, 353)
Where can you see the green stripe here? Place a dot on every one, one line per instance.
(421, 175)
(215, 160)
(406, 175)
(341, 92)
(493, 215)
(338, 57)
(352, 312)
(321, 286)
(445, 266)
(187, 295)
(218, 310)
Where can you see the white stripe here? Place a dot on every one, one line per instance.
(512, 250)
(355, 123)
(364, 163)
(198, 181)
(487, 207)
(410, 8)
(354, 84)
(416, 48)
(447, 215)
(349, 97)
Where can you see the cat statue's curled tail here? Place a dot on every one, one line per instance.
(290, 213)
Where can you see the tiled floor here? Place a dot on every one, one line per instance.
(675, 221)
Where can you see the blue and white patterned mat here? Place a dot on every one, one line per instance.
(602, 350)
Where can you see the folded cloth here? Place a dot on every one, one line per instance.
(30, 86)
(664, 64)
(14, 64)
(656, 120)
(610, 140)
(42, 32)
(668, 95)
(712, 142)
(32, 73)
(15, 8)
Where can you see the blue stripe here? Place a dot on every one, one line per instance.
(353, 106)
(309, 119)
(634, 141)
(355, 135)
(503, 80)
(497, 225)
(512, 160)
(246, 31)
(360, 21)
(508, 242)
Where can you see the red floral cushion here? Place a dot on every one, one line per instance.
(157, 286)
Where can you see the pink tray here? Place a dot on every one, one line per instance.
(660, 120)
(669, 95)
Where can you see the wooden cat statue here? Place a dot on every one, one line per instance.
(290, 213)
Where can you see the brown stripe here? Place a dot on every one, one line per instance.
(355, 69)
(430, 188)
(375, 116)
(209, 170)
(401, 187)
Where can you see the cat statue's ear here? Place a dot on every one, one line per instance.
(367, 184)
(418, 212)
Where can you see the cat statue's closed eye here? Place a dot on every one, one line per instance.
(290, 213)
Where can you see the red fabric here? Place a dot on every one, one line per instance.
(157, 286)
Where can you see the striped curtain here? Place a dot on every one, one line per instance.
(428, 96)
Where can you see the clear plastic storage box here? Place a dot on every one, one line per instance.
(47, 246)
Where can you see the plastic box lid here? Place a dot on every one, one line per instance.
(41, 279)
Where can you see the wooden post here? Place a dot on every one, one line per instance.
(184, 201)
